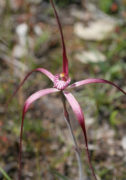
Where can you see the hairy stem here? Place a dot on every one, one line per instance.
(77, 151)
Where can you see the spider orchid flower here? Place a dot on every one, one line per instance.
(61, 83)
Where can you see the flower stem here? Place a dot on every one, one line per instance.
(77, 151)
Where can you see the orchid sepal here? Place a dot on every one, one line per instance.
(64, 54)
(27, 105)
(93, 81)
(42, 70)
(80, 117)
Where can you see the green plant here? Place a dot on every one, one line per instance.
(5, 174)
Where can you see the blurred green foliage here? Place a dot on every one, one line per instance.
(105, 173)
(105, 5)
(33, 126)
(41, 40)
(59, 176)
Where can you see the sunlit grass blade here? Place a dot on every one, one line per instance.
(5, 174)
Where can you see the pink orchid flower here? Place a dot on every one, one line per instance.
(61, 83)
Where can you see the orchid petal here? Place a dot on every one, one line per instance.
(42, 70)
(27, 104)
(80, 117)
(65, 60)
(90, 81)
(36, 96)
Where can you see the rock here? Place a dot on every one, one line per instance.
(96, 13)
(80, 14)
(123, 142)
(22, 30)
(90, 56)
(38, 30)
(96, 30)
(19, 51)
(97, 25)
(89, 121)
